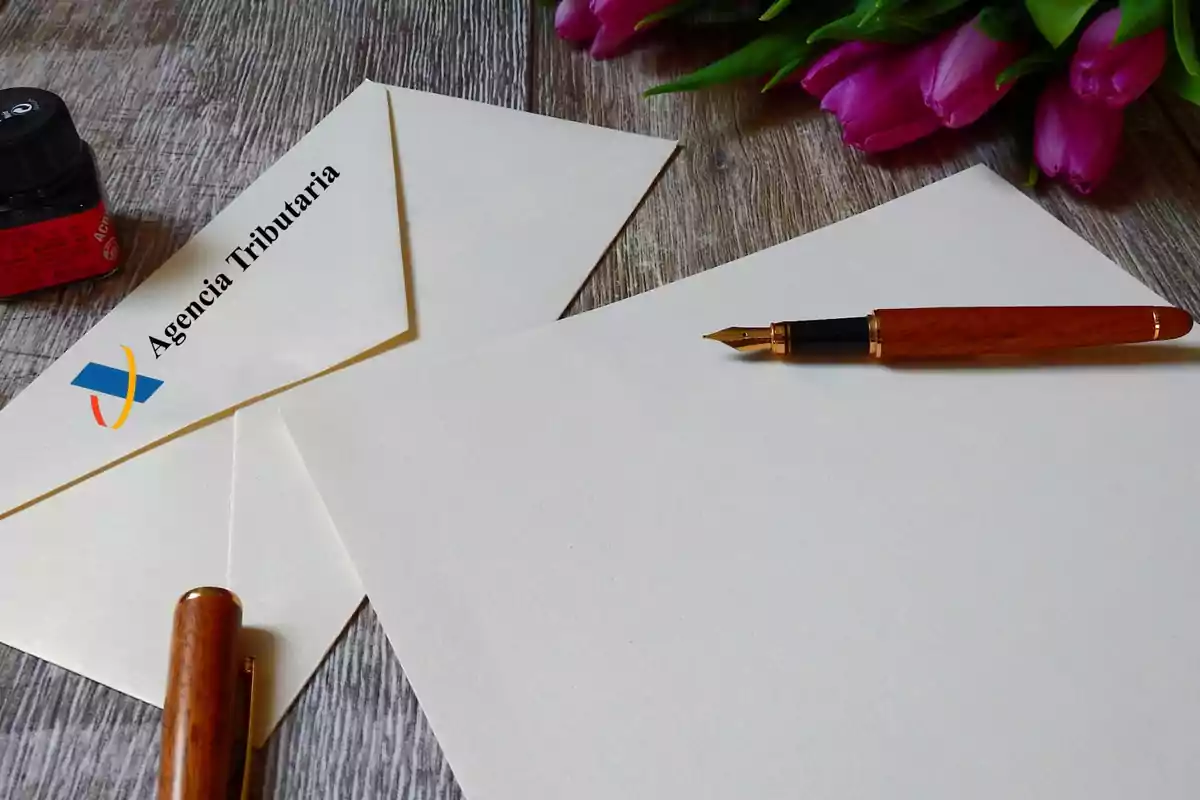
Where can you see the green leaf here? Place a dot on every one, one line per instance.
(1185, 41)
(1176, 77)
(843, 27)
(764, 55)
(1034, 62)
(1139, 17)
(1057, 19)
(874, 9)
(784, 71)
(1034, 173)
(672, 10)
(999, 23)
(865, 25)
(775, 10)
(888, 21)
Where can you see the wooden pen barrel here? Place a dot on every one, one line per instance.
(951, 332)
(199, 716)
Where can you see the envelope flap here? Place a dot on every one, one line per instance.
(303, 270)
(508, 211)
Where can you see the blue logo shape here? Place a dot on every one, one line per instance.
(115, 382)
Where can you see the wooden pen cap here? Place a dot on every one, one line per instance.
(949, 332)
(206, 712)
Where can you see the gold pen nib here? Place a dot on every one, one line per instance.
(743, 339)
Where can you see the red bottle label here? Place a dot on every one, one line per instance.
(57, 251)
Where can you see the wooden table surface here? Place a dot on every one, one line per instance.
(187, 101)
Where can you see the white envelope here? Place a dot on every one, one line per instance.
(500, 215)
(650, 567)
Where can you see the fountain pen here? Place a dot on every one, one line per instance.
(962, 332)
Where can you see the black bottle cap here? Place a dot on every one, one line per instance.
(38, 140)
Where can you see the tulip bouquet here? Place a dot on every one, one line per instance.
(894, 71)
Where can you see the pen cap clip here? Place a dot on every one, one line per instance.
(241, 748)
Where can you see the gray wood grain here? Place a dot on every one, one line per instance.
(187, 102)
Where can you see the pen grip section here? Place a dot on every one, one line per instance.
(202, 687)
(847, 336)
(962, 332)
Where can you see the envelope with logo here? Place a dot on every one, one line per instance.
(403, 219)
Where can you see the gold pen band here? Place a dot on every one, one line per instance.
(779, 338)
(874, 337)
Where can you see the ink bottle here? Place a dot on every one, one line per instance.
(54, 223)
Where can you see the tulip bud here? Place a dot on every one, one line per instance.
(610, 41)
(963, 86)
(618, 23)
(574, 21)
(1073, 139)
(828, 70)
(627, 11)
(880, 106)
(1116, 74)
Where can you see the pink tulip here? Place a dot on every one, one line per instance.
(828, 70)
(881, 105)
(618, 22)
(626, 11)
(1074, 139)
(575, 22)
(963, 86)
(1116, 74)
(610, 41)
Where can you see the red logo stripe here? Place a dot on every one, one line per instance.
(96, 412)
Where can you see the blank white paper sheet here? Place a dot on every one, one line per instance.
(619, 561)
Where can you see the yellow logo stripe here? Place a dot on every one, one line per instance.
(129, 359)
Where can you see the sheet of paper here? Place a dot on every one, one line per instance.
(504, 215)
(617, 560)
